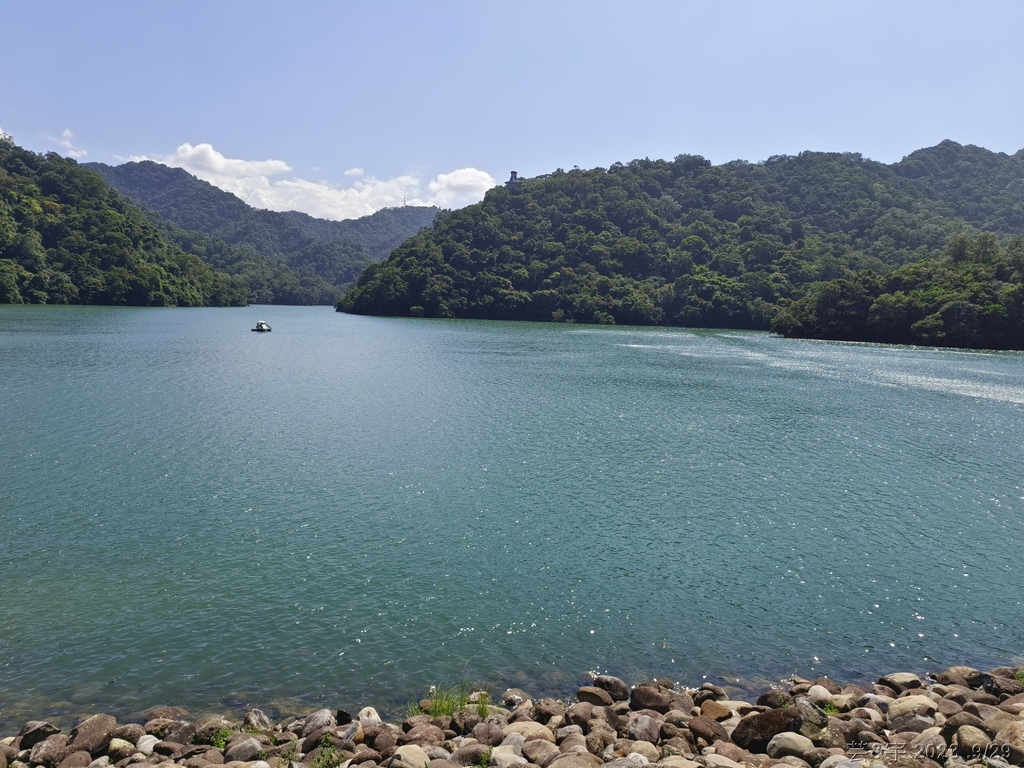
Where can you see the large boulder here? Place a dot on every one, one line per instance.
(50, 751)
(35, 731)
(616, 688)
(93, 734)
(650, 696)
(411, 756)
(789, 744)
(1011, 740)
(707, 729)
(754, 732)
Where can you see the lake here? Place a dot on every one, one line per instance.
(348, 509)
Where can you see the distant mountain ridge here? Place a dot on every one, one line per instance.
(66, 237)
(929, 250)
(312, 260)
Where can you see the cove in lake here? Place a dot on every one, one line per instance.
(350, 509)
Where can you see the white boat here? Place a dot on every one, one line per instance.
(262, 327)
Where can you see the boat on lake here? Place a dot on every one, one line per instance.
(262, 327)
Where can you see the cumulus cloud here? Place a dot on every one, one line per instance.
(254, 182)
(65, 143)
(451, 190)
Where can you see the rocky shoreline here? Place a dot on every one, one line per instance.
(959, 717)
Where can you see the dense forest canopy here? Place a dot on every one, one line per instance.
(283, 258)
(68, 238)
(925, 250)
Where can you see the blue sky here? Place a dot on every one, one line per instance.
(340, 108)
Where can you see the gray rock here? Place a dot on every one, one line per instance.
(255, 720)
(246, 750)
(632, 760)
(411, 756)
(789, 743)
(540, 752)
(93, 734)
(506, 759)
(79, 759)
(50, 751)
(146, 743)
(643, 728)
(322, 718)
(470, 754)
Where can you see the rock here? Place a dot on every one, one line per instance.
(709, 730)
(650, 697)
(900, 681)
(427, 734)
(715, 711)
(506, 759)
(754, 732)
(645, 749)
(119, 749)
(529, 730)
(471, 754)
(678, 761)
(488, 734)
(789, 743)
(632, 760)
(255, 720)
(735, 752)
(616, 688)
(180, 732)
(1011, 740)
(146, 743)
(411, 756)
(245, 750)
(79, 759)
(464, 720)
(548, 708)
(50, 751)
(322, 718)
(643, 728)
(514, 697)
(35, 731)
(970, 742)
(93, 734)
(714, 760)
(819, 694)
(574, 742)
(539, 751)
(910, 705)
(775, 699)
(1001, 686)
(576, 760)
(599, 697)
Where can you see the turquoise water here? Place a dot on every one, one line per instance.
(349, 509)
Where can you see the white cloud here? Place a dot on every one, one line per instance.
(253, 182)
(67, 145)
(461, 187)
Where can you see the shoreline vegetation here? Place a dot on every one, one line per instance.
(961, 716)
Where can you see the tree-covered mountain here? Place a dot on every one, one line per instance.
(68, 238)
(284, 258)
(684, 242)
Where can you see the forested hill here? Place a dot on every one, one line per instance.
(68, 238)
(739, 245)
(336, 247)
